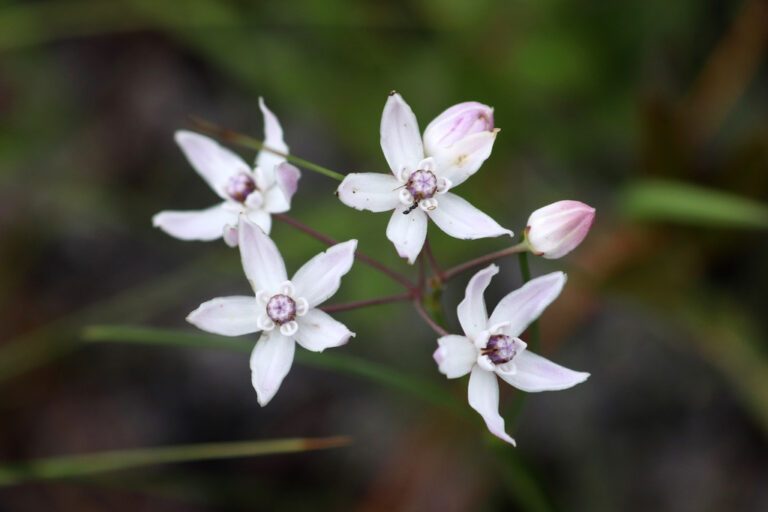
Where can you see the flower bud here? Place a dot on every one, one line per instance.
(556, 229)
(456, 123)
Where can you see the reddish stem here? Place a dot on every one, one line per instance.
(362, 257)
(423, 312)
(365, 303)
(433, 262)
(488, 258)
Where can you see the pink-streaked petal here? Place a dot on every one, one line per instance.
(271, 360)
(535, 373)
(484, 398)
(205, 225)
(228, 316)
(455, 123)
(372, 191)
(400, 137)
(216, 164)
(455, 355)
(524, 305)
(319, 278)
(261, 219)
(473, 316)
(407, 232)
(287, 178)
(273, 139)
(262, 262)
(318, 331)
(459, 219)
(464, 158)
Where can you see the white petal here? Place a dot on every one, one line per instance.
(270, 361)
(372, 191)
(261, 219)
(407, 232)
(320, 277)
(465, 157)
(318, 331)
(400, 138)
(455, 355)
(203, 225)
(216, 164)
(524, 305)
(484, 398)
(458, 218)
(471, 311)
(262, 263)
(273, 138)
(228, 316)
(535, 373)
(278, 197)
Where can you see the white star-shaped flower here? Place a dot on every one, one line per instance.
(257, 193)
(491, 346)
(418, 188)
(284, 311)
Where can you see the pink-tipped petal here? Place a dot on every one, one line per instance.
(287, 176)
(400, 137)
(228, 316)
(262, 262)
(407, 232)
(471, 311)
(455, 355)
(273, 139)
(484, 398)
(524, 305)
(271, 360)
(318, 331)
(556, 229)
(372, 191)
(535, 373)
(464, 158)
(320, 277)
(459, 219)
(456, 123)
(202, 225)
(214, 163)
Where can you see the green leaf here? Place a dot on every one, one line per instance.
(82, 465)
(658, 200)
(351, 365)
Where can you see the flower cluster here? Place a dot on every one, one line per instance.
(425, 170)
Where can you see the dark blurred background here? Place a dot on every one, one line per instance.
(654, 112)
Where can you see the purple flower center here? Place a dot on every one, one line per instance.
(240, 186)
(281, 309)
(500, 349)
(422, 185)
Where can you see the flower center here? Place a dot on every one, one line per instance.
(281, 309)
(500, 349)
(240, 186)
(422, 185)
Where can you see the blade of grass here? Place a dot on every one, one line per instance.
(342, 363)
(83, 465)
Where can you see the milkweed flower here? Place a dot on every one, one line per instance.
(285, 311)
(256, 192)
(455, 145)
(558, 228)
(491, 346)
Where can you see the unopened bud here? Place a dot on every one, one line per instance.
(556, 229)
(456, 123)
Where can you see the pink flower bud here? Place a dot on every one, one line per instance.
(456, 123)
(556, 229)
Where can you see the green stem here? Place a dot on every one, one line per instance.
(249, 142)
(82, 465)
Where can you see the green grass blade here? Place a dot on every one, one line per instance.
(342, 363)
(658, 200)
(83, 465)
